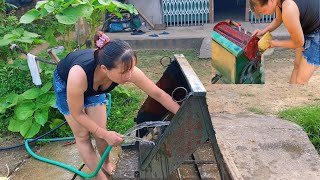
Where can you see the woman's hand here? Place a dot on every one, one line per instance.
(273, 43)
(258, 32)
(113, 138)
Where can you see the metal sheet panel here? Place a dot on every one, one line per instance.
(187, 131)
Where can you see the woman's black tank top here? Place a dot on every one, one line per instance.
(309, 15)
(85, 59)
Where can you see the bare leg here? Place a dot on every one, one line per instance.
(305, 72)
(84, 146)
(298, 58)
(98, 114)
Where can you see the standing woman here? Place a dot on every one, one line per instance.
(301, 18)
(80, 83)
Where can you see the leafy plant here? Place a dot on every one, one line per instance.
(48, 28)
(69, 12)
(14, 77)
(30, 109)
(19, 35)
(7, 24)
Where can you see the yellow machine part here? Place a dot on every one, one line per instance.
(224, 62)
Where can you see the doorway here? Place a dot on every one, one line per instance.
(229, 9)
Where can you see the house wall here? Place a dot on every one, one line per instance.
(150, 8)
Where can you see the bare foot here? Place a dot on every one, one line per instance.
(109, 168)
(102, 176)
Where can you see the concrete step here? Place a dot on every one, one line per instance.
(177, 38)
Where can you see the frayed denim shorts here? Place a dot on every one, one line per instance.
(60, 89)
(311, 46)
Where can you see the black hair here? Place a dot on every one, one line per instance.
(115, 51)
(254, 3)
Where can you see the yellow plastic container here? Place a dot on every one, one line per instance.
(263, 42)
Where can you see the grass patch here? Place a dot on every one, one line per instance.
(308, 117)
(124, 108)
(256, 110)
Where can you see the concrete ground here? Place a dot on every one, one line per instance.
(265, 147)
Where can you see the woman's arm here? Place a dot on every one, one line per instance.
(77, 85)
(275, 23)
(145, 84)
(272, 26)
(291, 20)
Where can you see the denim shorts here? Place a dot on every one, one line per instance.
(60, 89)
(311, 46)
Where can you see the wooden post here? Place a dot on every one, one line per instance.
(211, 11)
(247, 11)
(145, 18)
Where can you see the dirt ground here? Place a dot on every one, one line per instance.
(269, 98)
(275, 95)
(12, 159)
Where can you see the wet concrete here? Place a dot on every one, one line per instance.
(265, 147)
(128, 164)
(38, 170)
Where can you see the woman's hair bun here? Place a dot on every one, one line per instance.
(100, 39)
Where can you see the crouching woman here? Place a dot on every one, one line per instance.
(81, 80)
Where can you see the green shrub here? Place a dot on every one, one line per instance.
(31, 109)
(14, 78)
(7, 24)
(24, 107)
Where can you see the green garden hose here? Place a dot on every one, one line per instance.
(65, 166)
(60, 164)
